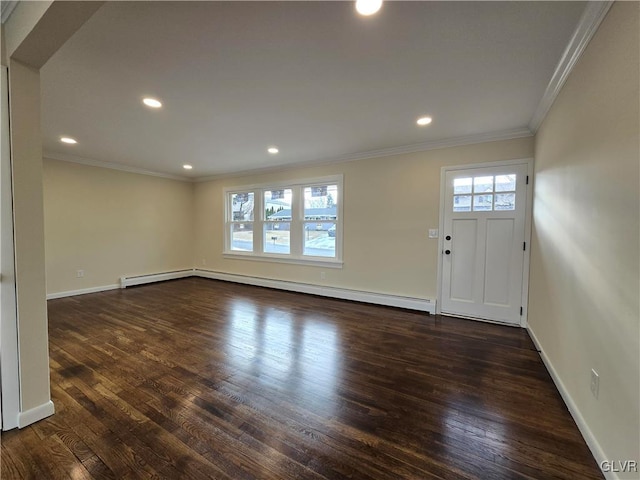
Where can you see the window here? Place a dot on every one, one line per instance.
(277, 221)
(320, 215)
(241, 214)
(296, 222)
(485, 193)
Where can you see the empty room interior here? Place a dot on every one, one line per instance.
(320, 240)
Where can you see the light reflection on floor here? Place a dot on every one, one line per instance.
(485, 438)
(295, 355)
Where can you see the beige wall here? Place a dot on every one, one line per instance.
(30, 36)
(111, 223)
(36, 30)
(389, 205)
(3, 49)
(22, 22)
(584, 288)
(26, 154)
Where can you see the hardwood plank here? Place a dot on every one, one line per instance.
(199, 379)
(16, 461)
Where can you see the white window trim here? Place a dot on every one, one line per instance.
(296, 244)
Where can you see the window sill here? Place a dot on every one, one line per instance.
(313, 261)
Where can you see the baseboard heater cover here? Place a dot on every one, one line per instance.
(82, 291)
(410, 303)
(154, 277)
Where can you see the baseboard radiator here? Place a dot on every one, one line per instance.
(410, 303)
(154, 277)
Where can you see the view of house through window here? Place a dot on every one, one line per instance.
(320, 214)
(242, 221)
(296, 221)
(277, 216)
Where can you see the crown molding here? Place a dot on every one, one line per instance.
(112, 165)
(385, 152)
(591, 18)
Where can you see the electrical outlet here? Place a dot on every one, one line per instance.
(204, 261)
(433, 233)
(323, 276)
(79, 273)
(595, 383)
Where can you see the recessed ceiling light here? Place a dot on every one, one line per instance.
(68, 140)
(272, 150)
(152, 102)
(368, 7)
(422, 121)
(187, 167)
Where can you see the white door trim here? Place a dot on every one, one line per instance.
(527, 227)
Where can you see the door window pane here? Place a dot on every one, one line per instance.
(483, 187)
(482, 184)
(505, 183)
(505, 201)
(242, 237)
(482, 203)
(462, 185)
(319, 239)
(462, 203)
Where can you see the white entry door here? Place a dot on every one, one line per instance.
(483, 244)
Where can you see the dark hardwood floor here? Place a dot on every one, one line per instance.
(200, 379)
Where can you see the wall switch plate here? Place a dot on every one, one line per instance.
(595, 383)
(433, 233)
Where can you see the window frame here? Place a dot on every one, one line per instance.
(475, 195)
(296, 239)
(231, 221)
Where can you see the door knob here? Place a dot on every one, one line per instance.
(447, 252)
(448, 237)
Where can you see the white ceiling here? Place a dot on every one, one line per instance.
(313, 78)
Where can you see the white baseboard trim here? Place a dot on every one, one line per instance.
(71, 293)
(125, 282)
(587, 434)
(410, 303)
(37, 413)
(341, 293)
(155, 277)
